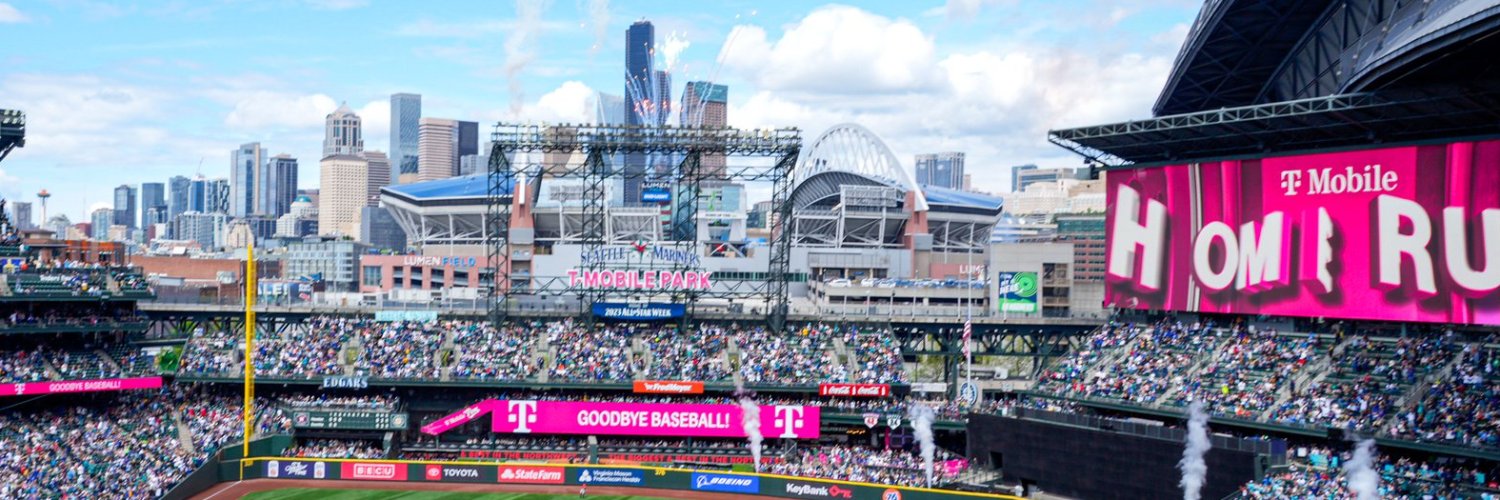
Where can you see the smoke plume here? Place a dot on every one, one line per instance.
(518, 48)
(598, 14)
(921, 424)
(1364, 482)
(750, 415)
(1194, 469)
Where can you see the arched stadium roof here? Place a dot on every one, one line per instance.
(854, 149)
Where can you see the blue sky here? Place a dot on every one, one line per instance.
(131, 92)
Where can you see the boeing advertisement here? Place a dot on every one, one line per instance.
(1401, 234)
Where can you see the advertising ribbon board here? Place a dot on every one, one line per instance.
(633, 419)
(74, 386)
(667, 387)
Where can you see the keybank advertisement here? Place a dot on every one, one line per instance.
(1018, 292)
(1404, 234)
(632, 419)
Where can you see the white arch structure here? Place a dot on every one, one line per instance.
(850, 147)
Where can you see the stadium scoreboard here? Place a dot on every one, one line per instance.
(349, 420)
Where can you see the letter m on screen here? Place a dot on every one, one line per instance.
(1137, 240)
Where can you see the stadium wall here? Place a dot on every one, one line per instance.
(707, 482)
(1097, 458)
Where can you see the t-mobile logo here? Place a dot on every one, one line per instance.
(788, 419)
(1290, 181)
(521, 413)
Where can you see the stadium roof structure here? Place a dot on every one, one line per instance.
(464, 189)
(940, 198)
(1318, 124)
(1246, 52)
(12, 131)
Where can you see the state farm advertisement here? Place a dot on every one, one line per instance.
(667, 387)
(530, 474)
(634, 419)
(72, 386)
(855, 390)
(372, 471)
(1400, 234)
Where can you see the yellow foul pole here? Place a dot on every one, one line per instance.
(249, 417)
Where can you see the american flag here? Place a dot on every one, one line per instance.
(968, 331)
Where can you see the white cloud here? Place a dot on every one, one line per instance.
(996, 103)
(10, 15)
(834, 49)
(375, 116)
(263, 111)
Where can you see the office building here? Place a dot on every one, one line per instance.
(177, 195)
(343, 133)
(208, 229)
(246, 169)
(294, 224)
(216, 196)
(406, 110)
(20, 214)
(379, 175)
(609, 109)
(344, 188)
(945, 170)
(333, 261)
(125, 199)
(1025, 175)
(640, 50)
(706, 104)
(468, 141)
(436, 149)
(99, 222)
(153, 195)
(279, 186)
(473, 164)
(59, 225)
(378, 228)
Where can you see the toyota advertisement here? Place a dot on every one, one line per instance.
(1399, 234)
(633, 419)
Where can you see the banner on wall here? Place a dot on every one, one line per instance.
(1406, 233)
(73, 386)
(1016, 292)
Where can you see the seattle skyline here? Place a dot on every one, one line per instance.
(168, 89)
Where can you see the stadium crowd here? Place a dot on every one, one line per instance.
(334, 448)
(126, 446)
(860, 464)
(574, 352)
(1364, 381)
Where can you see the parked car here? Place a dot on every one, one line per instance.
(839, 283)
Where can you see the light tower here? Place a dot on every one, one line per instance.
(43, 195)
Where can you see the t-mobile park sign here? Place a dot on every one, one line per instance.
(632, 419)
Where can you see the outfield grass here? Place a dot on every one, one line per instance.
(357, 494)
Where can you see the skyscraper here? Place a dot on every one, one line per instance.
(344, 187)
(20, 214)
(945, 170)
(216, 196)
(468, 141)
(177, 196)
(246, 169)
(706, 104)
(100, 221)
(609, 109)
(379, 176)
(661, 97)
(343, 133)
(124, 214)
(406, 110)
(640, 49)
(153, 202)
(436, 150)
(279, 187)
